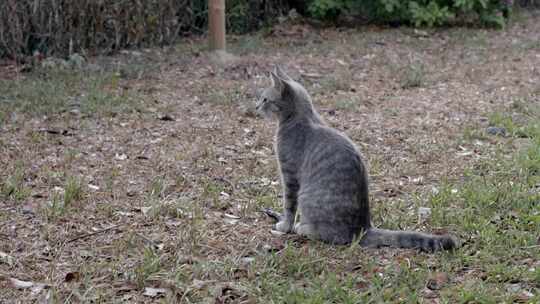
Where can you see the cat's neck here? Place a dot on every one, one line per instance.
(302, 110)
(306, 115)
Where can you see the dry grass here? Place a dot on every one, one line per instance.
(164, 190)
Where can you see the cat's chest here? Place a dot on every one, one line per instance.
(288, 152)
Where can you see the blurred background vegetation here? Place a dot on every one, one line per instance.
(61, 28)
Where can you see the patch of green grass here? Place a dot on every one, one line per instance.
(345, 104)
(50, 91)
(73, 191)
(110, 180)
(497, 210)
(211, 195)
(529, 130)
(13, 186)
(221, 96)
(376, 165)
(332, 83)
(472, 133)
(63, 200)
(247, 44)
(148, 266)
(530, 45)
(478, 40)
(493, 210)
(261, 201)
(413, 76)
(157, 187)
(327, 288)
(55, 208)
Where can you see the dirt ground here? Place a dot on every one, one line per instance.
(171, 192)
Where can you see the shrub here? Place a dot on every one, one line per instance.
(60, 28)
(415, 12)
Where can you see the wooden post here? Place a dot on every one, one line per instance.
(216, 24)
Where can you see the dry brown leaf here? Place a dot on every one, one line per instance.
(429, 294)
(437, 281)
(523, 297)
(72, 276)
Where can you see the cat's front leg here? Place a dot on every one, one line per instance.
(290, 203)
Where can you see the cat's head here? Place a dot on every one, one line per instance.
(283, 97)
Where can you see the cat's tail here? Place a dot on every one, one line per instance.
(374, 237)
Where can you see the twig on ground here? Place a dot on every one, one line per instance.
(93, 233)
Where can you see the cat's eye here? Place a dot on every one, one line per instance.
(265, 100)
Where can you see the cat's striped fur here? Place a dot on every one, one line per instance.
(323, 176)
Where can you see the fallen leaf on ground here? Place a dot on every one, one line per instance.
(120, 156)
(72, 276)
(198, 284)
(437, 281)
(34, 287)
(230, 221)
(429, 294)
(231, 216)
(154, 292)
(146, 210)
(277, 232)
(523, 297)
(20, 284)
(6, 258)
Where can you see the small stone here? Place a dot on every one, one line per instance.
(424, 211)
(496, 131)
(247, 260)
(76, 61)
(166, 117)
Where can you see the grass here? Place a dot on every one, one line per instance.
(46, 92)
(185, 201)
(494, 211)
(64, 199)
(413, 76)
(13, 186)
(247, 44)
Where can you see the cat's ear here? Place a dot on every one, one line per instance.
(284, 86)
(279, 71)
(276, 81)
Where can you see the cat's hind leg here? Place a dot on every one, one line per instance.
(306, 230)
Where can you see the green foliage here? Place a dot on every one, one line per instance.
(430, 14)
(418, 12)
(328, 9)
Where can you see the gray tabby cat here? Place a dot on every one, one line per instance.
(324, 178)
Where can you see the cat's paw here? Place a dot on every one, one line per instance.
(283, 226)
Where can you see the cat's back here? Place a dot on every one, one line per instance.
(323, 136)
(331, 152)
(334, 186)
